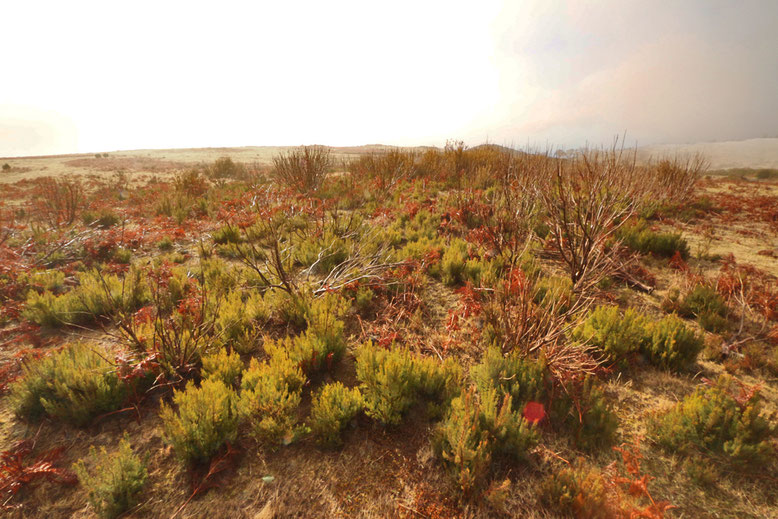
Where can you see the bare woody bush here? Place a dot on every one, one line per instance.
(303, 169)
(587, 199)
(58, 202)
(674, 179)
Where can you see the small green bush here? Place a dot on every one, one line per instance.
(521, 378)
(712, 420)
(671, 344)
(640, 238)
(332, 409)
(456, 267)
(103, 219)
(585, 411)
(207, 417)
(576, 490)
(115, 480)
(616, 336)
(702, 300)
(270, 396)
(239, 316)
(96, 296)
(394, 380)
(75, 385)
(223, 365)
(478, 428)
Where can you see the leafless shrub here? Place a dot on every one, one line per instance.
(303, 169)
(586, 200)
(58, 201)
(675, 178)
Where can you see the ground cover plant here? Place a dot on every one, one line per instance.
(454, 332)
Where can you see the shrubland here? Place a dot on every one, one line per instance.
(477, 326)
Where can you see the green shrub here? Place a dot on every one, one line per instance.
(96, 296)
(640, 238)
(165, 244)
(702, 302)
(456, 267)
(227, 234)
(239, 315)
(394, 380)
(115, 480)
(103, 219)
(207, 417)
(577, 491)
(585, 411)
(713, 420)
(223, 365)
(332, 409)
(671, 344)
(478, 428)
(75, 385)
(521, 378)
(270, 396)
(616, 336)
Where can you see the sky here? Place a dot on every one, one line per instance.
(95, 76)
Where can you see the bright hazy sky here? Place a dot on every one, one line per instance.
(78, 76)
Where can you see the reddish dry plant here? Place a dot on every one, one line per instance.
(635, 484)
(202, 482)
(58, 201)
(18, 469)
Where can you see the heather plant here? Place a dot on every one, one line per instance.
(722, 419)
(270, 396)
(223, 365)
(639, 237)
(114, 481)
(583, 410)
(333, 407)
(238, 317)
(617, 336)
(578, 491)
(74, 385)
(394, 380)
(205, 419)
(95, 296)
(480, 427)
(671, 344)
(521, 378)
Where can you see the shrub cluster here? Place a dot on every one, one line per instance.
(639, 237)
(75, 385)
(576, 490)
(332, 409)
(722, 419)
(205, 419)
(392, 381)
(479, 428)
(223, 365)
(668, 342)
(115, 480)
(270, 396)
(702, 302)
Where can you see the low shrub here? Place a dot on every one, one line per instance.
(238, 317)
(578, 491)
(702, 300)
(102, 219)
(394, 380)
(722, 419)
(478, 428)
(205, 419)
(332, 409)
(97, 295)
(521, 378)
(115, 480)
(270, 396)
(303, 169)
(615, 335)
(639, 237)
(74, 385)
(223, 365)
(584, 410)
(671, 344)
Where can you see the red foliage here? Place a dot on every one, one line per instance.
(19, 469)
(636, 485)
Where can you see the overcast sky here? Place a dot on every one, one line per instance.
(81, 76)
